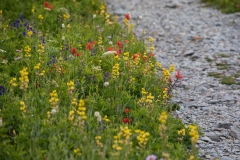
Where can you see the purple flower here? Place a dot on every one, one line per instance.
(151, 157)
(2, 90)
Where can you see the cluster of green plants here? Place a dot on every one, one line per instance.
(77, 84)
(226, 6)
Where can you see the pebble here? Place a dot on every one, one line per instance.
(187, 34)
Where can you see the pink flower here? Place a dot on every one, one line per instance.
(178, 75)
(151, 157)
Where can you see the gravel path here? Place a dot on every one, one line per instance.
(198, 40)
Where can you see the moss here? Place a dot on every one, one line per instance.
(215, 75)
(208, 59)
(228, 80)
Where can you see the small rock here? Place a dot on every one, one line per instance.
(206, 139)
(235, 130)
(188, 53)
(224, 125)
(226, 158)
(213, 136)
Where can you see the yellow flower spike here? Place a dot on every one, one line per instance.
(171, 68)
(163, 117)
(40, 17)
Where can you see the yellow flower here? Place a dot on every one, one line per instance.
(163, 117)
(66, 15)
(40, 17)
(171, 68)
(106, 119)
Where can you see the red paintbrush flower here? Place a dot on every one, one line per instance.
(126, 120)
(127, 16)
(47, 5)
(127, 110)
(89, 46)
(119, 44)
(178, 75)
(74, 50)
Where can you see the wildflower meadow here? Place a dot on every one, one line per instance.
(78, 84)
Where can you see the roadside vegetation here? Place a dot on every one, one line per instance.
(77, 84)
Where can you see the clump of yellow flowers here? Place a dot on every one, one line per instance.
(24, 79)
(115, 71)
(71, 87)
(23, 107)
(82, 109)
(142, 137)
(193, 133)
(147, 98)
(54, 101)
(27, 50)
(12, 82)
(122, 139)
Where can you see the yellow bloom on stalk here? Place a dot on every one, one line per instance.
(82, 109)
(151, 39)
(40, 17)
(33, 10)
(37, 66)
(23, 106)
(166, 73)
(115, 71)
(106, 119)
(13, 82)
(171, 68)
(158, 64)
(71, 115)
(182, 132)
(27, 49)
(24, 79)
(151, 48)
(70, 86)
(29, 33)
(66, 16)
(144, 91)
(165, 93)
(193, 133)
(53, 99)
(142, 137)
(163, 117)
(125, 56)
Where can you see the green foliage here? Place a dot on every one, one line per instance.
(226, 6)
(62, 97)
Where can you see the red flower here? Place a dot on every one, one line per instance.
(178, 75)
(119, 44)
(74, 50)
(152, 54)
(89, 46)
(47, 5)
(127, 110)
(170, 80)
(110, 49)
(94, 42)
(127, 16)
(126, 41)
(126, 120)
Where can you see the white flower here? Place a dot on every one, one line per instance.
(140, 17)
(0, 122)
(63, 25)
(99, 118)
(109, 53)
(63, 38)
(94, 16)
(106, 84)
(97, 114)
(110, 42)
(1, 50)
(53, 111)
